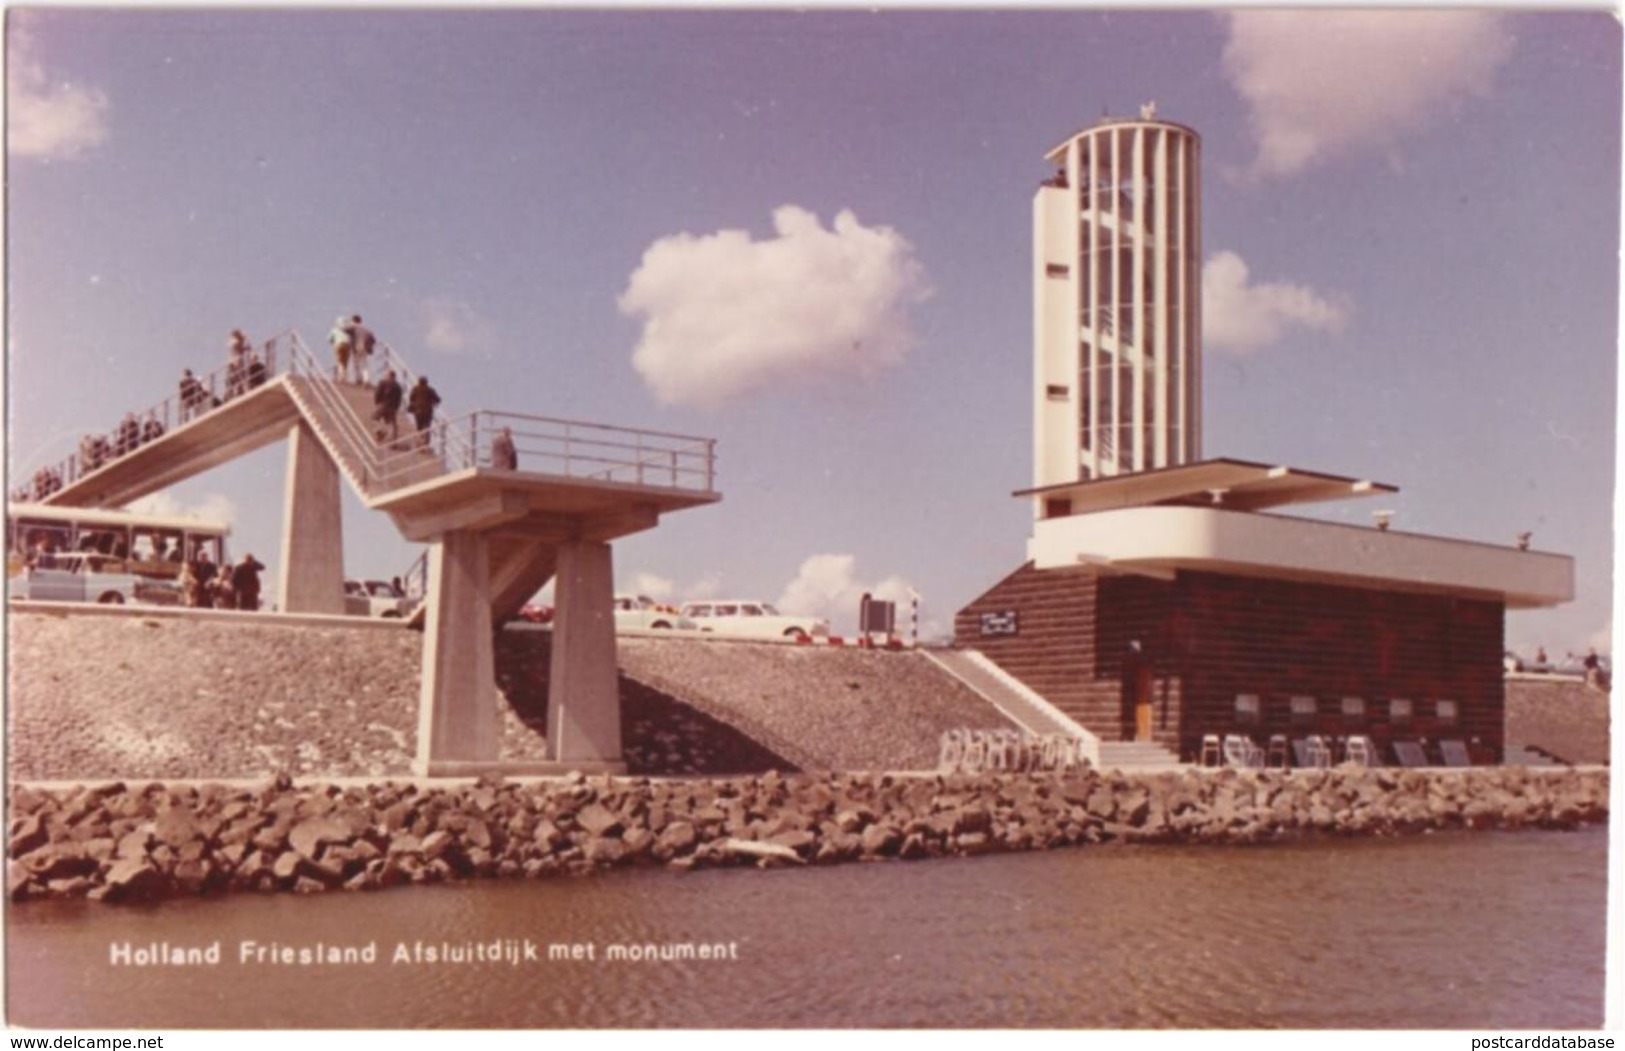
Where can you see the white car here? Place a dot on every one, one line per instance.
(642, 613)
(83, 576)
(375, 598)
(749, 617)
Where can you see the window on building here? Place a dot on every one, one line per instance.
(1446, 712)
(1303, 711)
(1057, 507)
(1353, 711)
(1247, 709)
(1056, 270)
(1057, 391)
(1399, 713)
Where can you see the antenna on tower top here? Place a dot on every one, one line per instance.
(1149, 110)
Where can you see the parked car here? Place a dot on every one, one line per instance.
(534, 613)
(375, 598)
(642, 613)
(750, 617)
(87, 576)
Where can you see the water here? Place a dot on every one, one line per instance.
(1486, 930)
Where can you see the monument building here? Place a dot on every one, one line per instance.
(1166, 598)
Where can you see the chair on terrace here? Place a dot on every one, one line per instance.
(1278, 755)
(1312, 752)
(1212, 755)
(1455, 753)
(1241, 752)
(1410, 754)
(1358, 750)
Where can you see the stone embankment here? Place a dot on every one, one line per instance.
(126, 842)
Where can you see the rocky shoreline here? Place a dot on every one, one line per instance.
(125, 842)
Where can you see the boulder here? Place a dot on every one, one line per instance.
(601, 850)
(675, 839)
(599, 820)
(134, 878)
(879, 840)
(176, 826)
(308, 836)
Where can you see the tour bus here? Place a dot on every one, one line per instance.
(74, 554)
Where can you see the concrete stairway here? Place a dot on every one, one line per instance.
(1137, 756)
(340, 414)
(1021, 707)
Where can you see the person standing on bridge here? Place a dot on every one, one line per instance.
(504, 457)
(362, 342)
(340, 338)
(421, 403)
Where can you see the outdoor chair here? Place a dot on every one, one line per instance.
(1277, 756)
(1311, 752)
(1455, 753)
(1358, 750)
(1241, 752)
(1212, 754)
(1410, 754)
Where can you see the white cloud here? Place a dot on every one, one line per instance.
(452, 325)
(212, 508)
(725, 315)
(1242, 317)
(827, 586)
(1322, 83)
(47, 118)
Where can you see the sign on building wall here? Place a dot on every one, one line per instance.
(1002, 622)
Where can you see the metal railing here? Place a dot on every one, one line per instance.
(540, 444)
(593, 451)
(212, 390)
(378, 464)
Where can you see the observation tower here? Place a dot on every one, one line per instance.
(1117, 304)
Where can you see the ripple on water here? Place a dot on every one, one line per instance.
(1445, 931)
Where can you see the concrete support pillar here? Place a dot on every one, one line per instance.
(583, 701)
(312, 572)
(458, 720)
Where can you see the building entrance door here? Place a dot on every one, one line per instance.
(1142, 704)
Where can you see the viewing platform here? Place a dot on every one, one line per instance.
(505, 501)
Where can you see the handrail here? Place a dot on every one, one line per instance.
(217, 387)
(571, 448)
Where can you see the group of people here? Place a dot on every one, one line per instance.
(46, 481)
(353, 344)
(131, 433)
(245, 370)
(387, 399)
(207, 586)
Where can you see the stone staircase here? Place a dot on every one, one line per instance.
(1022, 707)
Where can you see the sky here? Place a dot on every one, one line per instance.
(808, 236)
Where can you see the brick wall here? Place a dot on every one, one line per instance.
(1074, 657)
(1207, 637)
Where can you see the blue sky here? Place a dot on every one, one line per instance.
(1411, 225)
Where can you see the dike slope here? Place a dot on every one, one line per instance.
(165, 698)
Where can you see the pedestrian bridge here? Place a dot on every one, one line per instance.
(495, 533)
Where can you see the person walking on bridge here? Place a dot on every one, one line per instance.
(386, 400)
(340, 337)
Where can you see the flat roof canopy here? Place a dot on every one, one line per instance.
(1237, 485)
